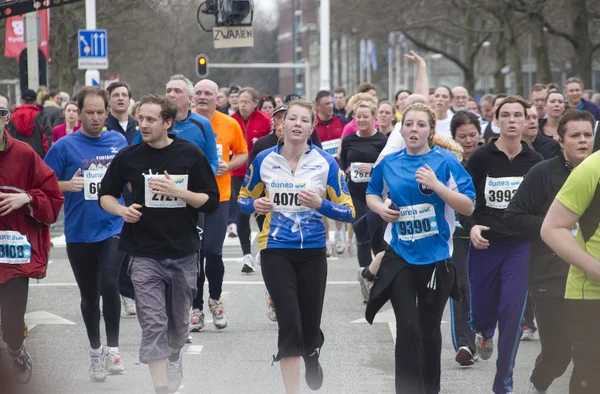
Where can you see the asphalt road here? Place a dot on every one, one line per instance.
(356, 357)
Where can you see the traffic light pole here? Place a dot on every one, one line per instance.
(92, 77)
(31, 30)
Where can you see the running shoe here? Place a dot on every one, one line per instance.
(351, 247)
(314, 372)
(533, 390)
(98, 367)
(128, 306)
(271, 313)
(365, 284)
(528, 334)
(232, 230)
(219, 317)
(113, 364)
(329, 249)
(464, 356)
(197, 320)
(248, 266)
(22, 365)
(485, 347)
(339, 243)
(175, 374)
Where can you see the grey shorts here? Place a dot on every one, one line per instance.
(164, 290)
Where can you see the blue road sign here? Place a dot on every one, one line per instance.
(93, 49)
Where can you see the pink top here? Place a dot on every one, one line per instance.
(351, 128)
(61, 130)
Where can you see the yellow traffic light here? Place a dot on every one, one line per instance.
(202, 66)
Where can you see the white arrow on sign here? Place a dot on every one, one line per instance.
(386, 316)
(95, 44)
(102, 43)
(42, 317)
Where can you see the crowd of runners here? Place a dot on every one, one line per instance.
(490, 204)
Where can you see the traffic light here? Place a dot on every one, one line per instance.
(202, 66)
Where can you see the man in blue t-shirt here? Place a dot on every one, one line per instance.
(80, 162)
(189, 125)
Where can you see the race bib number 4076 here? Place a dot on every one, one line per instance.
(499, 191)
(284, 194)
(158, 201)
(14, 248)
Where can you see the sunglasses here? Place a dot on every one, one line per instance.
(3, 112)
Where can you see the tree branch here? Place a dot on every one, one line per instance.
(430, 48)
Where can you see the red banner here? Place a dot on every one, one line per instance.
(15, 35)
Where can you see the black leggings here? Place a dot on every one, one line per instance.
(418, 311)
(13, 304)
(363, 249)
(96, 268)
(296, 279)
(245, 232)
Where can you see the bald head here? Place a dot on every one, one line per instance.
(205, 97)
(460, 98)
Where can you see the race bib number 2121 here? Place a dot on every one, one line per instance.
(158, 201)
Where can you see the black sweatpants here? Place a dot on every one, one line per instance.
(363, 248)
(296, 279)
(555, 355)
(13, 304)
(236, 184)
(125, 285)
(462, 335)
(418, 312)
(583, 322)
(96, 267)
(529, 314)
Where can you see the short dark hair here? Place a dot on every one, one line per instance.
(322, 94)
(119, 84)
(499, 96)
(462, 118)
(513, 100)
(365, 87)
(401, 91)
(91, 91)
(538, 87)
(552, 86)
(573, 115)
(447, 88)
(339, 89)
(168, 109)
(574, 80)
(554, 92)
(264, 99)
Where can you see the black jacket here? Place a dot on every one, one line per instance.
(546, 146)
(525, 214)
(112, 123)
(489, 161)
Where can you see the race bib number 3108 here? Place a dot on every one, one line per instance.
(499, 191)
(14, 248)
(284, 194)
(158, 201)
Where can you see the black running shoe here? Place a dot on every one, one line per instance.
(314, 372)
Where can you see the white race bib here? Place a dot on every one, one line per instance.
(499, 191)
(331, 146)
(158, 201)
(14, 248)
(283, 193)
(359, 177)
(220, 151)
(91, 183)
(416, 222)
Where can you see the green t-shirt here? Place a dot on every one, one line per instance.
(581, 195)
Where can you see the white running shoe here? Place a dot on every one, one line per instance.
(528, 334)
(98, 367)
(128, 306)
(175, 373)
(271, 313)
(339, 243)
(232, 230)
(219, 317)
(351, 247)
(485, 347)
(113, 364)
(329, 249)
(197, 320)
(248, 266)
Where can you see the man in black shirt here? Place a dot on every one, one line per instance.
(171, 181)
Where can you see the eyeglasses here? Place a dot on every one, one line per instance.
(4, 112)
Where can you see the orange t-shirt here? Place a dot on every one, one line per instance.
(230, 138)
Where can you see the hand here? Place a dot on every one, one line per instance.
(426, 177)
(131, 213)
(12, 201)
(76, 183)
(412, 57)
(365, 168)
(310, 199)
(223, 168)
(262, 206)
(165, 187)
(388, 214)
(477, 240)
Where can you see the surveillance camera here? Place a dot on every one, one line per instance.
(233, 12)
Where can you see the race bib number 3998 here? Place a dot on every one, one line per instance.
(158, 201)
(284, 195)
(499, 191)
(14, 248)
